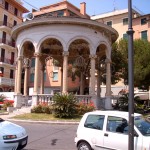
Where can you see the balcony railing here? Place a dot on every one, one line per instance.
(6, 24)
(6, 60)
(7, 81)
(5, 41)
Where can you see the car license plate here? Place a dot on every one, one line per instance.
(24, 142)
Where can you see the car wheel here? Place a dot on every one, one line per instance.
(84, 146)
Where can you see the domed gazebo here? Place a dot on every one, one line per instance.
(64, 39)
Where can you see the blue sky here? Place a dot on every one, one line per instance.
(95, 7)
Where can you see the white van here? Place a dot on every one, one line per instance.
(103, 130)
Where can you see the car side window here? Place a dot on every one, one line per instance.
(94, 122)
(117, 124)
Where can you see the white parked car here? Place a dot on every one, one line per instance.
(12, 136)
(103, 130)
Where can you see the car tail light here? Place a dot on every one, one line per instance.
(7, 137)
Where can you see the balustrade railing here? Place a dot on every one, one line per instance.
(7, 60)
(45, 99)
(5, 41)
(48, 98)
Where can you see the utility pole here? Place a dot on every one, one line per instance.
(130, 78)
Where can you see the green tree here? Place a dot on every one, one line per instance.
(141, 61)
(119, 60)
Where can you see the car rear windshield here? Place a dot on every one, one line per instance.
(142, 125)
(94, 122)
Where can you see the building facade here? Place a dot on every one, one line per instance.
(118, 19)
(141, 27)
(10, 15)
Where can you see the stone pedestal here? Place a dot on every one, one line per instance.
(10, 109)
(34, 100)
(18, 100)
(108, 104)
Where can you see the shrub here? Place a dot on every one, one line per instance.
(2, 97)
(84, 107)
(123, 103)
(7, 104)
(42, 108)
(65, 105)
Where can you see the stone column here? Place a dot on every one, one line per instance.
(19, 73)
(15, 91)
(99, 102)
(65, 72)
(26, 81)
(36, 80)
(61, 89)
(18, 95)
(36, 75)
(92, 73)
(81, 83)
(42, 79)
(108, 104)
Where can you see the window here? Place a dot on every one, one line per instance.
(12, 58)
(16, 11)
(125, 36)
(144, 35)
(94, 122)
(60, 13)
(4, 37)
(32, 77)
(11, 74)
(44, 75)
(6, 5)
(143, 21)
(33, 62)
(55, 68)
(125, 21)
(2, 70)
(55, 76)
(109, 23)
(117, 124)
(5, 20)
(2, 55)
(15, 22)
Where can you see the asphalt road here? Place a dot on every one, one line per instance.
(50, 136)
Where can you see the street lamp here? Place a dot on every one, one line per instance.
(130, 78)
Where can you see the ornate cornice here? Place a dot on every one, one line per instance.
(100, 27)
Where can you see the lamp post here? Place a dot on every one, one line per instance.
(130, 78)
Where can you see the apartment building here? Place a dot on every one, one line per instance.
(117, 19)
(10, 15)
(141, 27)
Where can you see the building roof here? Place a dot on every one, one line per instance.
(112, 13)
(55, 5)
(18, 4)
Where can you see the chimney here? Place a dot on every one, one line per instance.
(83, 8)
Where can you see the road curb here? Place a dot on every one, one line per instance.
(44, 122)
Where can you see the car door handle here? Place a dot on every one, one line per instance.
(105, 134)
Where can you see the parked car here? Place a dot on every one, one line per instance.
(101, 130)
(12, 136)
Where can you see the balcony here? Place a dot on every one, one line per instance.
(5, 26)
(7, 81)
(7, 42)
(6, 61)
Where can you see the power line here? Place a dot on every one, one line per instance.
(30, 4)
